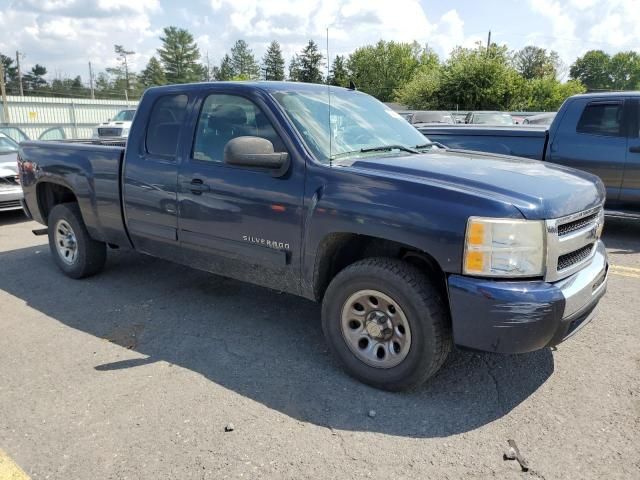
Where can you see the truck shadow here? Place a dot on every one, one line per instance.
(262, 345)
(622, 236)
(12, 217)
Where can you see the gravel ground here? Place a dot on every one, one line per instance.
(135, 373)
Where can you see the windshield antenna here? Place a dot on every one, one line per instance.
(329, 98)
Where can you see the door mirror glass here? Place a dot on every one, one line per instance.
(255, 152)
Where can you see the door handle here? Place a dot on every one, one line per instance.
(197, 186)
(635, 149)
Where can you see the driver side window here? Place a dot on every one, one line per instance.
(225, 117)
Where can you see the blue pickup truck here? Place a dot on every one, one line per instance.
(596, 132)
(328, 194)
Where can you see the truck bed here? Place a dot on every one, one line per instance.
(92, 172)
(520, 141)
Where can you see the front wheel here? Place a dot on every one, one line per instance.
(386, 322)
(74, 251)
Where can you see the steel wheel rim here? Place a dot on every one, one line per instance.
(66, 243)
(375, 328)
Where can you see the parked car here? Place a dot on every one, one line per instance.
(540, 119)
(410, 247)
(489, 118)
(116, 127)
(18, 135)
(431, 118)
(595, 132)
(10, 189)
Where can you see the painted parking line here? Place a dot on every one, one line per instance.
(624, 271)
(9, 470)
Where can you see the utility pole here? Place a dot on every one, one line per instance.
(19, 73)
(93, 95)
(488, 42)
(5, 107)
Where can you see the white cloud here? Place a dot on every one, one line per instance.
(581, 25)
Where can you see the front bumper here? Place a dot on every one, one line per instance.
(10, 198)
(523, 316)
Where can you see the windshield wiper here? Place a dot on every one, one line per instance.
(429, 144)
(386, 148)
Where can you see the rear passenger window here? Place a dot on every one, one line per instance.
(165, 121)
(601, 119)
(225, 117)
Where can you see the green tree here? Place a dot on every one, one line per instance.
(243, 62)
(547, 94)
(273, 62)
(310, 64)
(624, 71)
(179, 55)
(122, 54)
(477, 79)
(382, 68)
(592, 69)
(339, 74)
(423, 91)
(153, 75)
(294, 69)
(535, 62)
(225, 71)
(10, 74)
(34, 82)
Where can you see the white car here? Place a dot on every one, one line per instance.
(116, 127)
(10, 189)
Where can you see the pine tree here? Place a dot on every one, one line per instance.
(339, 74)
(243, 62)
(311, 63)
(273, 62)
(225, 71)
(153, 75)
(179, 55)
(294, 69)
(34, 81)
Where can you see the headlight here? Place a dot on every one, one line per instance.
(496, 247)
(125, 132)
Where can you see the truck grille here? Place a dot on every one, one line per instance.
(571, 242)
(10, 204)
(567, 228)
(109, 132)
(569, 259)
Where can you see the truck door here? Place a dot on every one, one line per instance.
(239, 222)
(150, 179)
(591, 138)
(630, 192)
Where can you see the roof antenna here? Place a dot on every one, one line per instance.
(329, 99)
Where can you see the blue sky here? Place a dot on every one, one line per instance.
(65, 34)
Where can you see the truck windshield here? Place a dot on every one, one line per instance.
(360, 124)
(124, 116)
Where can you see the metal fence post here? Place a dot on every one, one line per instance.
(73, 120)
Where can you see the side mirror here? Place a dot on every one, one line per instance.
(256, 152)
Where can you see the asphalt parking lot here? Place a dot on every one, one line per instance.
(135, 373)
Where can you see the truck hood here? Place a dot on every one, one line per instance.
(539, 190)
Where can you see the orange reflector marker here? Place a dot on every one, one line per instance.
(475, 261)
(278, 208)
(476, 234)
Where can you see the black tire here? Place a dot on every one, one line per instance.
(423, 308)
(90, 255)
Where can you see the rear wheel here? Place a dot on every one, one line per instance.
(387, 323)
(74, 251)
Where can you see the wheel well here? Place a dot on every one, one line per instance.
(52, 194)
(339, 250)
